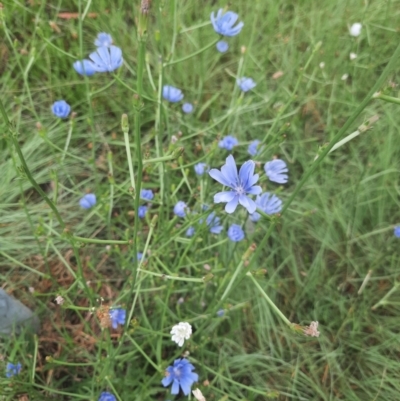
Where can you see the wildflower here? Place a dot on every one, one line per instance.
(61, 109)
(235, 233)
(13, 370)
(252, 149)
(321, 65)
(276, 170)
(107, 59)
(85, 67)
(187, 108)
(397, 231)
(179, 209)
(106, 396)
(355, 29)
(228, 142)
(103, 40)
(268, 203)
(220, 313)
(213, 223)
(117, 316)
(181, 332)
(245, 84)
(200, 168)
(190, 231)
(172, 94)
(224, 23)
(241, 185)
(222, 46)
(139, 256)
(353, 56)
(146, 194)
(180, 375)
(198, 395)
(59, 300)
(87, 201)
(311, 330)
(142, 211)
(344, 77)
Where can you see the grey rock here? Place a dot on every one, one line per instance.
(15, 316)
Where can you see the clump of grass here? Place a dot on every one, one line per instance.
(330, 256)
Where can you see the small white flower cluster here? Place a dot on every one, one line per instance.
(181, 332)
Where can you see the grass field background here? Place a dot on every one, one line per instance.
(335, 235)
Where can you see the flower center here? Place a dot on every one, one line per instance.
(240, 190)
(177, 373)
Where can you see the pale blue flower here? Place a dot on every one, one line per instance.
(13, 370)
(200, 168)
(139, 256)
(190, 231)
(242, 185)
(224, 23)
(222, 46)
(268, 203)
(146, 194)
(228, 142)
(253, 147)
(245, 84)
(106, 396)
(103, 39)
(235, 233)
(172, 94)
(87, 201)
(142, 211)
(117, 316)
(85, 67)
(213, 222)
(276, 171)
(179, 209)
(187, 108)
(61, 109)
(397, 231)
(181, 376)
(220, 313)
(107, 59)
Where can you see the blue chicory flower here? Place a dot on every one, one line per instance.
(397, 231)
(146, 194)
(107, 59)
(117, 316)
(87, 201)
(103, 40)
(222, 46)
(180, 375)
(245, 84)
(268, 203)
(213, 222)
(172, 94)
(106, 396)
(190, 231)
(253, 147)
(61, 109)
(224, 23)
(13, 370)
(276, 170)
(142, 211)
(139, 256)
(85, 67)
(200, 168)
(187, 108)
(235, 233)
(241, 185)
(179, 209)
(228, 142)
(220, 313)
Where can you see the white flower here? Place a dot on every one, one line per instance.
(355, 29)
(198, 395)
(311, 330)
(321, 64)
(181, 332)
(59, 300)
(344, 77)
(353, 56)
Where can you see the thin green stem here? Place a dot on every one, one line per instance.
(268, 299)
(386, 98)
(100, 241)
(125, 130)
